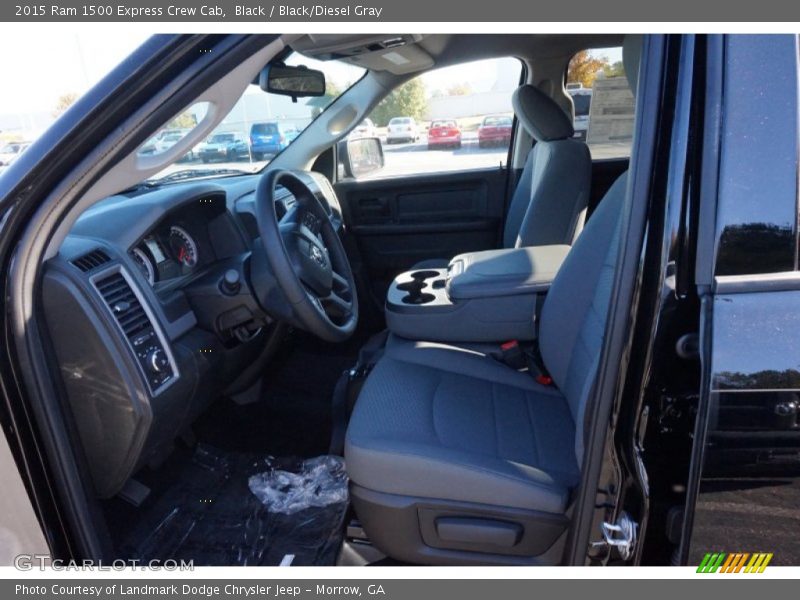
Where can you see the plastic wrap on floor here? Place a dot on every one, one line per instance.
(319, 482)
(237, 509)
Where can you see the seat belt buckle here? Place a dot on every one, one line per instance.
(360, 371)
(513, 355)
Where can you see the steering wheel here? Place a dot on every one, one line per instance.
(307, 258)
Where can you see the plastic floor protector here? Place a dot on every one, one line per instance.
(239, 509)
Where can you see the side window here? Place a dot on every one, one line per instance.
(451, 119)
(603, 102)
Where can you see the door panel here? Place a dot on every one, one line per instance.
(401, 220)
(744, 486)
(749, 473)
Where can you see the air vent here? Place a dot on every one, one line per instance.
(91, 261)
(123, 304)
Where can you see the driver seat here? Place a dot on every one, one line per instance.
(455, 458)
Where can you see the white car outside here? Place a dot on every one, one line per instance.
(10, 151)
(402, 129)
(582, 101)
(365, 129)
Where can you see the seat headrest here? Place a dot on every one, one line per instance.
(631, 57)
(541, 117)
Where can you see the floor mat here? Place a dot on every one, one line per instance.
(212, 515)
(293, 416)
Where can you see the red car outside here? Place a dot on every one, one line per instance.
(495, 131)
(444, 134)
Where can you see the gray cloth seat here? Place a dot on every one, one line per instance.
(549, 202)
(442, 422)
(436, 421)
(449, 436)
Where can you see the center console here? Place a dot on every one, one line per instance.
(480, 297)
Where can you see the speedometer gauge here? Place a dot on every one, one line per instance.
(183, 246)
(144, 264)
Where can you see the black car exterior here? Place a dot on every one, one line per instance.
(703, 454)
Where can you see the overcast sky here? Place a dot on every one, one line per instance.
(34, 73)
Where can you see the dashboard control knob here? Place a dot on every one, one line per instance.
(231, 282)
(157, 361)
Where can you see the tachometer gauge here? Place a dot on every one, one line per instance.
(184, 248)
(144, 264)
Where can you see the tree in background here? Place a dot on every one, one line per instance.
(185, 120)
(408, 100)
(64, 102)
(332, 90)
(583, 68)
(459, 89)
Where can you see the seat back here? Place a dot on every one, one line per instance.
(575, 312)
(573, 319)
(549, 203)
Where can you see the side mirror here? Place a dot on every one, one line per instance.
(360, 156)
(297, 82)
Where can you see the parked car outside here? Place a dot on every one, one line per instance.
(10, 152)
(163, 140)
(270, 137)
(444, 134)
(364, 129)
(402, 129)
(582, 100)
(224, 146)
(168, 141)
(495, 131)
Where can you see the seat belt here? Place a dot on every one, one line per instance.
(528, 357)
(348, 386)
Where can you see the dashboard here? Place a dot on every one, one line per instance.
(147, 322)
(180, 245)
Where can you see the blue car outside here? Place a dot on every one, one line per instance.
(270, 138)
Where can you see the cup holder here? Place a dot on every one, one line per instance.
(423, 275)
(421, 280)
(412, 287)
(418, 298)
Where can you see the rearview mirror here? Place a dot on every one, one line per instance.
(361, 156)
(297, 82)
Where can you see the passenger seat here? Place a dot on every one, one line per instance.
(549, 203)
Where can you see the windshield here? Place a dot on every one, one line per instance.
(258, 128)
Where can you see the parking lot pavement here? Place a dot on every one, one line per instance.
(749, 514)
(401, 159)
(413, 158)
(416, 158)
